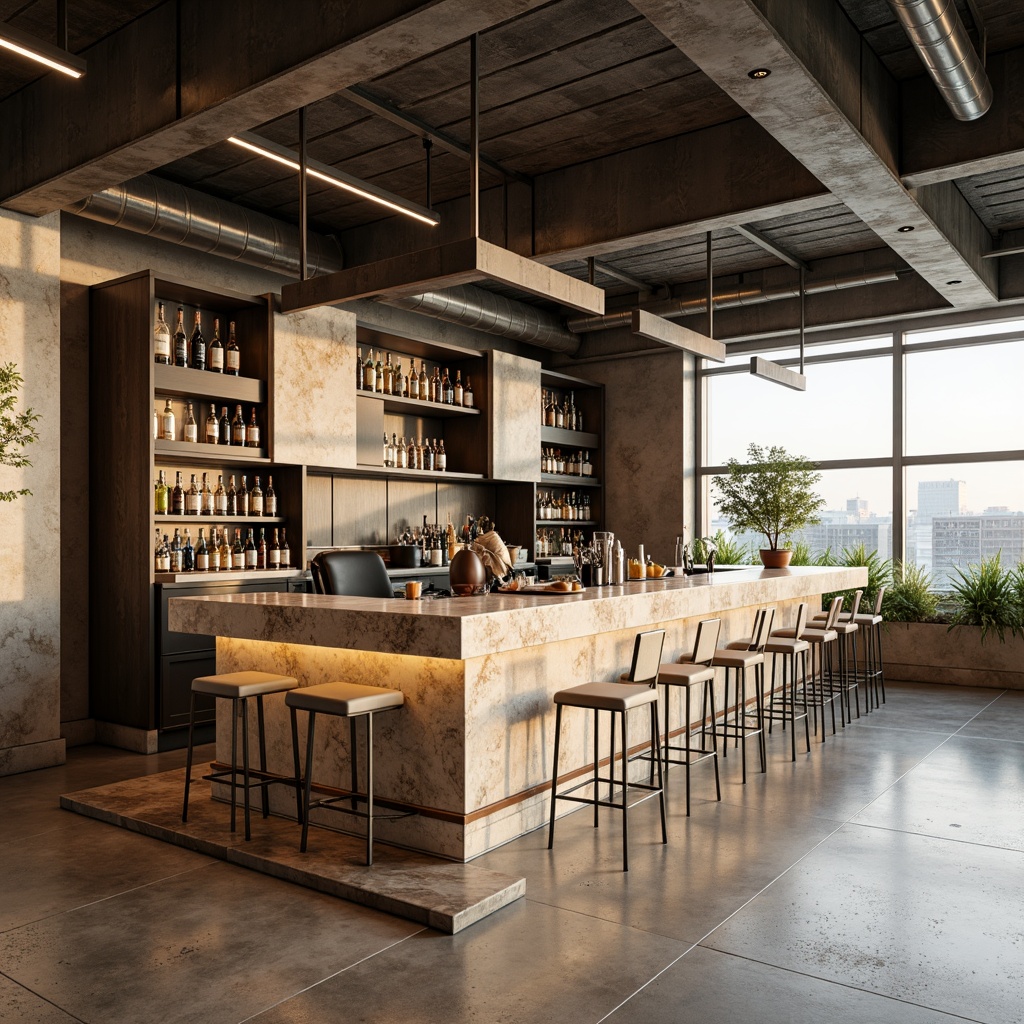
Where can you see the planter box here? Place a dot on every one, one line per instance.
(928, 652)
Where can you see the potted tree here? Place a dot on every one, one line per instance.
(771, 493)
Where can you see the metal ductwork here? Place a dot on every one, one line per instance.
(941, 40)
(670, 308)
(174, 213)
(494, 314)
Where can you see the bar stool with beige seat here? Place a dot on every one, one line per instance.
(620, 699)
(870, 623)
(341, 700)
(239, 687)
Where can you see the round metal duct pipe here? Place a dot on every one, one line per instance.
(941, 40)
(175, 213)
(670, 308)
(494, 314)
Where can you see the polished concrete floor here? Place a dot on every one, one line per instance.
(879, 879)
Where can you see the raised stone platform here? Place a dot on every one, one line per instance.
(438, 893)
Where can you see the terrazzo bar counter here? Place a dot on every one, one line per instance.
(471, 749)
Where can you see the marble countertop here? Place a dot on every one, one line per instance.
(471, 627)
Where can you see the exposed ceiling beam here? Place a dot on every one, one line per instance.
(777, 373)
(755, 236)
(830, 102)
(161, 88)
(620, 275)
(665, 332)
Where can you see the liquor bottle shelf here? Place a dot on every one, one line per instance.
(184, 382)
(565, 522)
(200, 451)
(568, 482)
(159, 517)
(569, 438)
(409, 474)
(229, 575)
(415, 407)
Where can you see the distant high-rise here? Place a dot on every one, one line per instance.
(935, 498)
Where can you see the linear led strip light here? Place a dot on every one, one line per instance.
(35, 49)
(339, 179)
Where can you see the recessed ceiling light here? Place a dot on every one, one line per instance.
(759, 73)
(956, 281)
(906, 228)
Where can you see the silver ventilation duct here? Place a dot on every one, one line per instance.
(937, 33)
(670, 308)
(174, 213)
(494, 314)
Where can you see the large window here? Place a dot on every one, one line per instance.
(951, 494)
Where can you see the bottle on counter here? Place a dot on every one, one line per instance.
(161, 337)
(232, 361)
(197, 345)
(215, 354)
(180, 341)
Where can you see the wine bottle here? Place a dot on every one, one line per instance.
(414, 380)
(435, 386)
(188, 554)
(232, 361)
(220, 497)
(180, 341)
(250, 553)
(286, 555)
(359, 369)
(161, 337)
(178, 496)
(215, 356)
(205, 498)
(224, 430)
(378, 375)
(238, 428)
(232, 497)
(402, 454)
(274, 553)
(441, 459)
(212, 435)
(197, 343)
(270, 499)
(242, 499)
(458, 391)
(202, 552)
(238, 551)
(162, 560)
(161, 495)
(389, 375)
(261, 550)
(401, 382)
(225, 551)
(176, 552)
(256, 499)
(252, 431)
(428, 456)
(191, 427)
(192, 498)
(447, 390)
(467, 395)
(168, 428)
(424, 383)
(384, 451)
(369, 375)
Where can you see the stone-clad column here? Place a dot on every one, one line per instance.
(30, 527)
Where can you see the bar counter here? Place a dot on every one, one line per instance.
(471, 749)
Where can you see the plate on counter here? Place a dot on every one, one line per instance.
(542, 590)
(644, 579)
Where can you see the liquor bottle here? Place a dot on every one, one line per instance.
(428, 456)
(359, 368)
(232, 497)
(459, 390)
(215, 355)
(401, 383)
(559, 416)
(378, 375)
(161, 337)
(225, 551)
(224, 430)
(435, 387)
(202, 552)
(410, 455)
(156, 424)
(178, 496)
(176, 552)
(238, 428)
(252, 431)
(441, 459)
(385, 457)
(205, 498)
(414, 380)
(587, 469)
(270, 499)
(261, 550)
(197, 343)
(191, 427)
(242, 499)
(232, 361)
(389, 375)
(162, 555)
(467, 395)
(168, 428)
(192, 498)
(212, 435)
(369, 375)
(188, 554)
(447, 389)
(237, 551)
(402, 454)
(424, 383)
(250, 553)
(161, 495)
(286, 554)
(220, 497)
(256, 499)
(274, 553)
(180, 341)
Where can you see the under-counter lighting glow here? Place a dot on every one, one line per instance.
(53, 57)
(339, 179)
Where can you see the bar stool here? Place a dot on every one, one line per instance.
(871, 624)
(790, 649)
(619, 698)
(750, 655)
(342, 700)
(698, 671)
(238, 687)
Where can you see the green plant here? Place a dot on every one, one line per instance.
(16, 431)
(772, 493)
(802, 554)
(731, 551)
(985, 595)
(910, 597)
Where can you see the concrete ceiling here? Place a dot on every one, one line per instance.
(624, 131)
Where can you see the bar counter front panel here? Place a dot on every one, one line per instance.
(472, 747)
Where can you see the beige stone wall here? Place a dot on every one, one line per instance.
(30, 527)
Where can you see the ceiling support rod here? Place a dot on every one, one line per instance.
(427, 146)
(711, 290)
(62, 24)
(303, 208)
(803, 319)
(474, 136)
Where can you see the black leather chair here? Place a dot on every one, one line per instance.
(351, 574)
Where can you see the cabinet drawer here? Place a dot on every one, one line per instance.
(174, 688)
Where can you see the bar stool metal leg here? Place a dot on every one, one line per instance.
(188, 757)
(299, 813)
(245, 765)
(263, 752)
(554, 774)
(369, 789)
(234, 756)
(310, 734)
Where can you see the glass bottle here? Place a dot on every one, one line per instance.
(428, 456)
(441, 458)
(274, 553)
(252, 431)
(220, 497)
(215, 355)
(191, 427)
(192, 498)
(224, 430)
(424, 383)
(467, 395)
(238, 428)
(176, 552)
(458, 391)
(389, 375)
(161, 337)
(270, 499)
(410, 455)
(205, 498)
(168, 428)
(180, 341)
(401, 384)
(261, 550)
(369, 375)
(202, 552)
(286, 554)
(161, 495)
(237, 551)
(414, 380)
(378, 375)
(435, 387)
(188, 554)
(212, 435)
(197, 343)
(402, 454)
(447, 391)
(249, 552)
(178, 496)
(231, 497)
(225, 551)
(256, 499)
(162, 555)
(232, 362)
(384, 451)
(242, 499)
